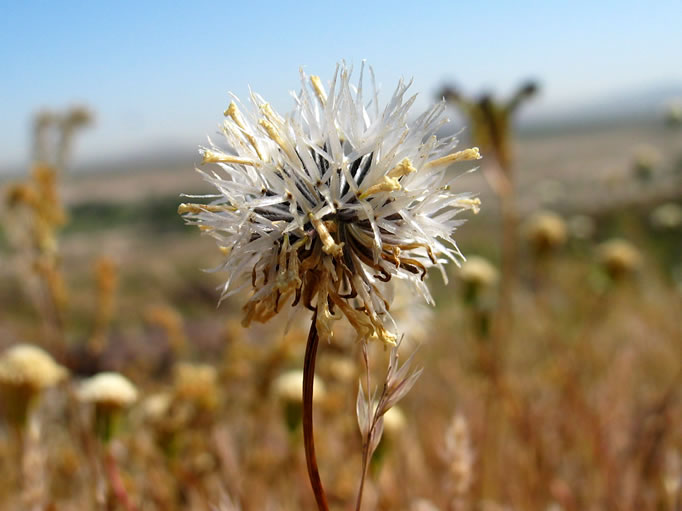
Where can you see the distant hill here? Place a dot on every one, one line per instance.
(646, 105)
(640, 105)
(153, 159)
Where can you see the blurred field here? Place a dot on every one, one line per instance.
(577, 409)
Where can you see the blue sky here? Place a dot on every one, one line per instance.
(158, 73)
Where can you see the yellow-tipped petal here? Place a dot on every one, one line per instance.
(272, 132)
(203, 208)
(216, 157)
(465, 155)
(329, 246)
(473, 204)
(389, 184)
(233, 113)
(403, 168)
(319, 89)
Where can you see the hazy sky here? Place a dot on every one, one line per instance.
(158, 73)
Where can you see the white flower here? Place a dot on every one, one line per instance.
(30, 366)
(109, 389)
(326, 205)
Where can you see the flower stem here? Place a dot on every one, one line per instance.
(116, 481)
(308, 438)
(365, 443)
(363, 476)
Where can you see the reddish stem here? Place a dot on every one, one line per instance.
(116, 482)
(308, 438)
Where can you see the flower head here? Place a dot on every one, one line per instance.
(197, 383)
(109, 389)
(326, 205)
(619, 258)
(25, 371)
(29, 366)
(110, 393)
(479, 272)
(545, 231)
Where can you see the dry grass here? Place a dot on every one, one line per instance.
(578, 407)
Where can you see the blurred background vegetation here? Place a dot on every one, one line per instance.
(552, 371)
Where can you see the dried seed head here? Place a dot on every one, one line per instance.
(326, 205)
(197, 383)
(619, 258)
(29, 366)
(108, 389)
(545, 231)
(479, 272)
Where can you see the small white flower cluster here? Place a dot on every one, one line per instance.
(328, 204)
(29, 366)
(108, 389)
